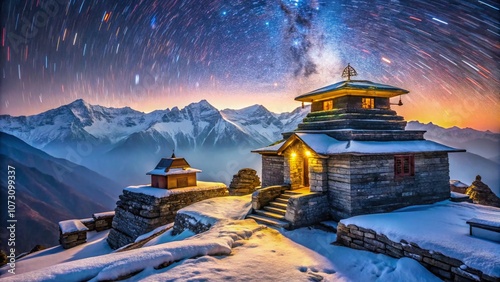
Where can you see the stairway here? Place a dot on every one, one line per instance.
(273, 214)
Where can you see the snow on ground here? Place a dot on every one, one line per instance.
(232, 249)
(220, 208)
(96, 246)
(161, 193)
(306, 255)
(440, 227)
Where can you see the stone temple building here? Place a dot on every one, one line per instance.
(353, 150)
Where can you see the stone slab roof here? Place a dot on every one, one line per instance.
(323, 144)
(352, 85)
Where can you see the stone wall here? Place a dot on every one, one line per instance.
(138, 213)
(103, 220)
(318, 174)
(244, 183)
(295, 155)
(263, 196)
(306, 209)
(72, 233)
(272, 170)
(446, 268)
(98, 222)
(361, 184)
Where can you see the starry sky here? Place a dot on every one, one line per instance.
(156, 54)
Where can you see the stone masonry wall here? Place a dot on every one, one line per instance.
(307, 209)
(244, 182)
(272, 170)
(138, 213)
(339, 188)
(263, 196)
(368, 182)
(318, 173)
(446, 268)
(293, 166)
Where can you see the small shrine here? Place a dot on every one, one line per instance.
(172, 173)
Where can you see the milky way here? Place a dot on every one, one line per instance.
(108, 52)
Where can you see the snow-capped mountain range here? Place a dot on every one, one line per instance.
(123, 144)
(195, 126)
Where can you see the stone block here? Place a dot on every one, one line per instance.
(393, 252)
(437, 263)
(463, 275)
(375, 243)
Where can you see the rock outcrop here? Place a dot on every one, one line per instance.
(245, 182)
(481, 194)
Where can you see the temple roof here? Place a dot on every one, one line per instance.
(323, 144)
(173, 165)
(352, 87)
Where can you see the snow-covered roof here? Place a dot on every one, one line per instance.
(271, 149)
(352, 85)
(323, 144)
(72, 225)
(104, 214)
(173, 171)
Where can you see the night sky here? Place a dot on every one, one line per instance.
(156, 54)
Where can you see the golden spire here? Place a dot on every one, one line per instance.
(348, 72)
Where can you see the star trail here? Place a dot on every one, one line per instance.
(152, 54)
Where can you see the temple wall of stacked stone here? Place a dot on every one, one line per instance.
(295, 155)
(306, 209)
(272, 170)
(367, 184)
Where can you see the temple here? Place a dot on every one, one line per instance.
(353, 149)
(172, 173)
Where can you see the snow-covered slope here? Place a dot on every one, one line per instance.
(264, 125)
(483, 143)
(233, 250)
(195, 126)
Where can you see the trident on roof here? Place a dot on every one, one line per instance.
(173, 154)
(349, 71)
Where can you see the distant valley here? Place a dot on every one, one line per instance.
(49, 190)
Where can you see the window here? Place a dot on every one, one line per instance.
(327, 105)
(368, 103)
(404, 165)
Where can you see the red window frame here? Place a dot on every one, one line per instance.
(404, 165)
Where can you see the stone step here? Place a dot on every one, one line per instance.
(281, 200)
(285, 196)
(278, 205)
(269, 221)
(275, 210)
(269, 214)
